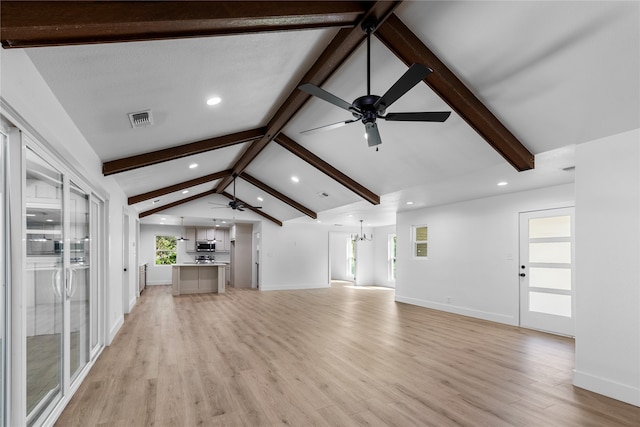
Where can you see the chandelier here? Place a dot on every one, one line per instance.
(361, 237)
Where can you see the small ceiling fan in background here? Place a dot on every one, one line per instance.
(369, 108)
(234, 204)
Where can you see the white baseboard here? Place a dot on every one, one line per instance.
(132, 303)
(114, 330)
(293, 287)
(612, 389)
(464, 311)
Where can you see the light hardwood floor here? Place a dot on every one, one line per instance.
(329, 357)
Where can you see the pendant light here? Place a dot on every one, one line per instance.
(361, 237)
(214, 232)
(181, 238)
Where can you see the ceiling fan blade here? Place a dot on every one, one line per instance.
(219, 204)
(373, 135)
(414, 75)
(428, 116)
(327, 127)
(240, 209)
(314, 90)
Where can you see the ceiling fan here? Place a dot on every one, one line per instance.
(369, 108)
(235, 204)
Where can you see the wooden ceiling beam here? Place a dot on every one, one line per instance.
(57, 23)
(338, 50)
(177, 187)
(164, 155)
(394, 34)
(174, 204)
(252, 209)
(275, 193)
(326, 168)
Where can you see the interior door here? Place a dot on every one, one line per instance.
(546, 270)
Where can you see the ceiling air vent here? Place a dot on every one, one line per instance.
(569, 169)
(141, 119)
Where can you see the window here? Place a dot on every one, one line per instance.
(166, 250)
(391, 257)
(420, 234)
(351, 257)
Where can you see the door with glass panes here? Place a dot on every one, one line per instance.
(60, 300)
(546, 270)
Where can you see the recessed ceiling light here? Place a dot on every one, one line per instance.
(409, 203)
(295, 179)
(502, 183)
(49, 220)
(163, 219)
(217, 225)
(214, 100)
(193, 165)
(224, 222)
(185, 191)
(350, 216)
(261, 199)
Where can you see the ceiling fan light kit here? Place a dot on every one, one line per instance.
(369, 108)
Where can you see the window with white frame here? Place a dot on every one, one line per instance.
(419, 238)
(391, 257)
(166, 247)
(351, 257)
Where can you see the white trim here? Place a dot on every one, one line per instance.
(293, 287)
(115, 329)
(478, 314)
(623, 392)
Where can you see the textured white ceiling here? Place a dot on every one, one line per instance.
(555, 73)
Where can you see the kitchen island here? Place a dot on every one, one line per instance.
(198, 278)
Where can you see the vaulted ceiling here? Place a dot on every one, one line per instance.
(521, 78)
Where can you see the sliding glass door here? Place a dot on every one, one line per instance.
(45, 284)
(61, 288)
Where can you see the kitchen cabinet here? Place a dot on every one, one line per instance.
(222, 240)
(190, 245)
(195, 279)
(205, 233)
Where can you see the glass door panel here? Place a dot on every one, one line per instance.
(546, 266)
(79, 277)
(3, 272)
(44, 284)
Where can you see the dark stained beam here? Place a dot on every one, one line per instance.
(338, 50)
(177, 187)
(275, 193)
(251, 208)
(178, 203)
(410, 49)
(326, 168)
(55, 23)
(164, 155)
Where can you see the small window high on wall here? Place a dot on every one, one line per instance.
(420, 236)
(166, 247)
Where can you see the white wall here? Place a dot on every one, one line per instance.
(608, 266)
(380, 256)
(473, 254)
(32, 105)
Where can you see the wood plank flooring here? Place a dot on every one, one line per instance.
(329, 357)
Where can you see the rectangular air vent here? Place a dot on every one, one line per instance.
(141, 119)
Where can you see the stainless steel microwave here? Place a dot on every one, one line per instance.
(205, 246)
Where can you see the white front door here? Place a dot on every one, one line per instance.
(546, 270)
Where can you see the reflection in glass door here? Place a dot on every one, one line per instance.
(79, 279)
(546, 270)
(3, 274)
(44, 284)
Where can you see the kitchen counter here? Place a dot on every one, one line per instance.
(198, 278)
